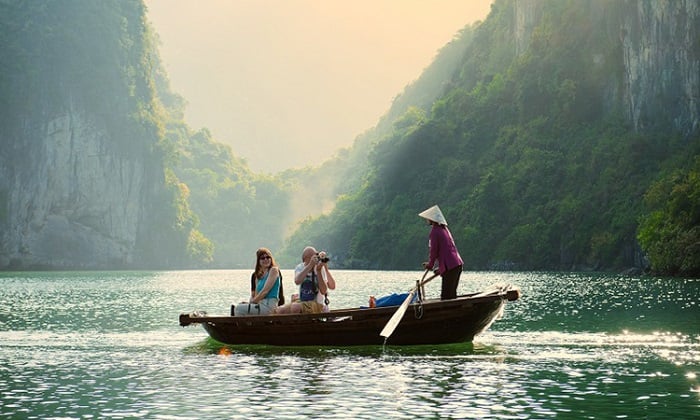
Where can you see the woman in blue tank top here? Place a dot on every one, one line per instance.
(265, 297)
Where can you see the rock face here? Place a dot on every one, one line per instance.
(660, 46)
(78, 175)
(70, 201)
(527, 15)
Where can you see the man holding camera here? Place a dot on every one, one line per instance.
(314, 280)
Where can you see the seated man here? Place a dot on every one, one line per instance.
(314, 280)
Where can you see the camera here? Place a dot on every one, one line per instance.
(322, 257)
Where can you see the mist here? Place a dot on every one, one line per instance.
(288, 83)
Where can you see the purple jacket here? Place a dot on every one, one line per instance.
(443, 249)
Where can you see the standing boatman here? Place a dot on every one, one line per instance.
(443, 251)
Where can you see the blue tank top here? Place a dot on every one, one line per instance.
(274, 293)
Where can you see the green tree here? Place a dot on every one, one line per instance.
(670, 232)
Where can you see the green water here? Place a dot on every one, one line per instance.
(108, 345)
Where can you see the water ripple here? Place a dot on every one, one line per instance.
(107, 345)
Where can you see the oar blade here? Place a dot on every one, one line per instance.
(396, 318)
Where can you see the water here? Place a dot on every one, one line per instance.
(108, 345)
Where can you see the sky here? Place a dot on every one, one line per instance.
(286, 83)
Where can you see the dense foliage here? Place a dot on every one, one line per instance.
(527, 153)
(670, 231)
(529, 158)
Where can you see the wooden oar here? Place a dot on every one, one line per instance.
(398, 315)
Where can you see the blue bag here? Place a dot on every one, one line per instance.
(393, 299)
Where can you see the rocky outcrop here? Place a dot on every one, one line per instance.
(71, 202)
(527, 15)
(661, 50)
(660, 46)
(78, 172)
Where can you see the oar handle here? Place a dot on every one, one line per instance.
(424, 281)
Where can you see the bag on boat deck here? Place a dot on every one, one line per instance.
(264, 307)
(281, 296)
(393, 299)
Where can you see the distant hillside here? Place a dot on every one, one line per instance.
(558, 121)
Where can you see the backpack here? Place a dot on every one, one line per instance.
(314, 287)
(281, 296)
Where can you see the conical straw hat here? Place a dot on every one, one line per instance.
(434, 214)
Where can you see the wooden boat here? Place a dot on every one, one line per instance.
(431, 321)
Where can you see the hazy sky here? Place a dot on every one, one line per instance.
(287, 83)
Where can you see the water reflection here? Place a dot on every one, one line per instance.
(108, 345)
(457, 350)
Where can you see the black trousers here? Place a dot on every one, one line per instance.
(450, 281)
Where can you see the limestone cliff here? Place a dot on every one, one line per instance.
(660, 53)
(662, 67)
(78, 175)
(71, 202)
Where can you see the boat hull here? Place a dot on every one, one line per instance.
(429, 322)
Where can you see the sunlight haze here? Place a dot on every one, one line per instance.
(287, 83)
